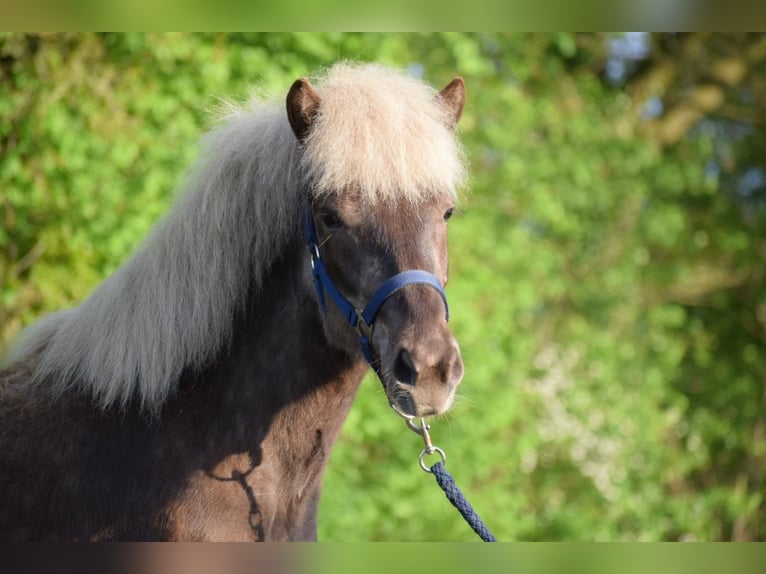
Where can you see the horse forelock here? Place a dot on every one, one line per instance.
(172, 305)
(383, 133)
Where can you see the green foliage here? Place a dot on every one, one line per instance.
(607, 285)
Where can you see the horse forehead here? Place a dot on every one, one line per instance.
(357, 206)
(394, 217)
(404, 223)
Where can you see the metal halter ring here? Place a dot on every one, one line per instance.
(362, 328)
(432, 450)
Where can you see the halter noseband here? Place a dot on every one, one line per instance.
(362, 320)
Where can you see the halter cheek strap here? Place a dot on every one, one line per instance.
(362, 320)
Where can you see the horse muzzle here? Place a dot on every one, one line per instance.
(422, 373)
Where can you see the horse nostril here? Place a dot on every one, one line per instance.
(404, 369)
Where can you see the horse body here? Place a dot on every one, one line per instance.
(228, 439)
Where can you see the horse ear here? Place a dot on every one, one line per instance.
(302, 106)
(453, 97)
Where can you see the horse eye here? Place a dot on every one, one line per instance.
(448, 213)
(330, 220)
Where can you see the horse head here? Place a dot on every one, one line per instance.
(363, 238)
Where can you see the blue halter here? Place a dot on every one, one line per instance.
(362, 320)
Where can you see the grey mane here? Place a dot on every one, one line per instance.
(171, 305)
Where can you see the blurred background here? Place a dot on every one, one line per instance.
(608, 285)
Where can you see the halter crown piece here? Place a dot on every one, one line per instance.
(362, 320)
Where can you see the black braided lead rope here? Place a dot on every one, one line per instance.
(455, 496)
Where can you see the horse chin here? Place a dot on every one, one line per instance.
(406, 403)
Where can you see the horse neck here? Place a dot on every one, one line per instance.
(280, 368)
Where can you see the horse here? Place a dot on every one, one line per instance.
(196, 393)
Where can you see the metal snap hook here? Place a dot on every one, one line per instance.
(422, 430)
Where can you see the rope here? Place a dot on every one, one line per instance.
(455, 496)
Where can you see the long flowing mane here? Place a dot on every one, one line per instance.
(172, 305)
